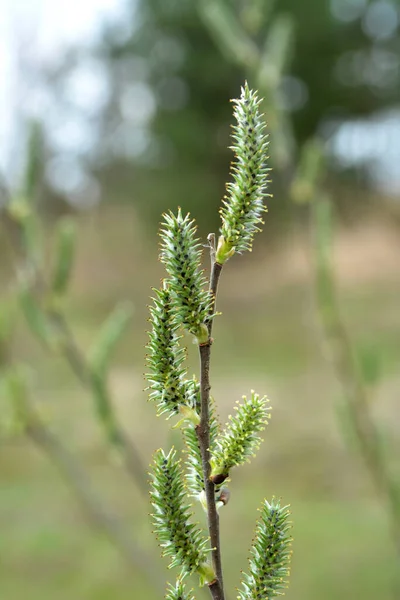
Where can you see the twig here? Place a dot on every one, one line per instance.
(216, 270)
(81, 369)
(74, 474)
(80, 366)
(203, 433)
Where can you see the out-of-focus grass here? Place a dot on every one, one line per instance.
(267, 340)
(340, 550)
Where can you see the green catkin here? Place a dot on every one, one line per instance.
(270, 555)
(240, 440)
(165, 357)
(179, 538)
(243, 205)
(178, 592)
(181, 255)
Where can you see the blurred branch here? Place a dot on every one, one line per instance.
(27, 420)
(267, 66)
(96, 511)
(347, 370)
(57, 336)
(41, 300)
(103, 403)
(307, 188)
(237, 37)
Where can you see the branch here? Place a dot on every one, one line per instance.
(103, 405)
(347, 372)
(203, 433)
(75, 475)
(76, 360)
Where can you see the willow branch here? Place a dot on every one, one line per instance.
(78, 478)
(344, 363)
(78, 363)
(203, 433)
(81, 369)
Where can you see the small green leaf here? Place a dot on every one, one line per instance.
(276, 53)
(255, 14)
(20, 211)
(34, 161)
(323, 219)
(13, 394)
(310, 172)
(34, 315)
(370, 364)
(110, 333)
(64, 255)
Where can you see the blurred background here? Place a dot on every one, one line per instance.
(131, 99)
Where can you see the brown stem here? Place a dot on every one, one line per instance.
(215, 590)
(203, 433)
(216, 270)
(78, 478)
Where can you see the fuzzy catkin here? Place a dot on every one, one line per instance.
(239, 440)
(165, 357)
(270, 554)
(178, 592)
(243, 204)
(179, 538)
(181, 254)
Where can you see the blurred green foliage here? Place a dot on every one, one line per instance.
(183, 60)
(341, 529)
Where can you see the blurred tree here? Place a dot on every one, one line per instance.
(166, 110)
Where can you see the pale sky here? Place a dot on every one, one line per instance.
(47, 27)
